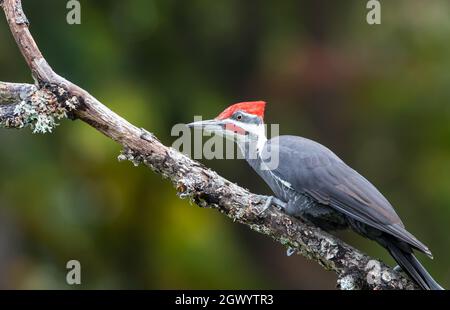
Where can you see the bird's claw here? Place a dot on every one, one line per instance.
(290, 251)
(146, 135)
(272, 201)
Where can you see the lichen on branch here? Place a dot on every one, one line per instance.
(40, 109)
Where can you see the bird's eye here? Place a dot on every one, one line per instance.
(239, 117)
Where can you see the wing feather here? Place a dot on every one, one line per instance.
(319, 173)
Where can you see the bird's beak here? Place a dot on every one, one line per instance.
(211, 125)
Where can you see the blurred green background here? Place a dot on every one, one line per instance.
(376, 95)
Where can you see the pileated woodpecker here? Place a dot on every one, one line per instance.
(311, 182)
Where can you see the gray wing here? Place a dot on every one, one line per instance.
(316, 171)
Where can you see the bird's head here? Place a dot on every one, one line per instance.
(240, 122)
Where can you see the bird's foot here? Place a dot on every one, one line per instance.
(290, 251)
(272, 201)
(146, 135)
(397, 268)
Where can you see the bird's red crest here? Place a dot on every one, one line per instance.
(251, 107)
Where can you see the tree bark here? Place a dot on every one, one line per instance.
(53, 98)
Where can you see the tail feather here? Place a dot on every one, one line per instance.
(413, 268)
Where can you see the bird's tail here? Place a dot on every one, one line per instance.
(409, 263)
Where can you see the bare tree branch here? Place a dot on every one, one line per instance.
(54, 97)
(14, 92)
